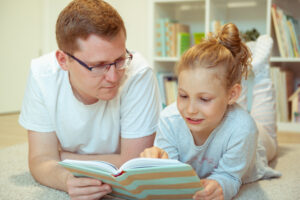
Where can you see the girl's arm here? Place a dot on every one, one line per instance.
(237, 161)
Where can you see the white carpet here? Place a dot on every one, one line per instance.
(16, 182)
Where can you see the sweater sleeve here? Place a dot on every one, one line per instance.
(165, 138)
(238, 158)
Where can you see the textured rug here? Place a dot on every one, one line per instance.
(16, 183)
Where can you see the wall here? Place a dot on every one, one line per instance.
(135, 16)
(20, 40)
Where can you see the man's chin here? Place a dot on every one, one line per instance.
(107, 97)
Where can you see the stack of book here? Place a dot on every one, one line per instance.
(173, 38)
(167, 83)
(283, 81)
(287, 33)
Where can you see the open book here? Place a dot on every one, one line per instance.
(141, 178)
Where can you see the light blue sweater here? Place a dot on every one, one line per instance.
(231, 154)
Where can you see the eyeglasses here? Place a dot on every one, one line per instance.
(101, 69)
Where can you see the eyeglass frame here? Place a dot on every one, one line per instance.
(105, 66)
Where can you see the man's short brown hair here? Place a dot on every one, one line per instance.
(84, 17)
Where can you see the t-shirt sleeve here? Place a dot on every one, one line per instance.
(140, 106)
(238, 157)
(34, 114)
(165, 138)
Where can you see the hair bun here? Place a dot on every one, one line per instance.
(229, 37)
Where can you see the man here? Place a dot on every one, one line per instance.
(90, 100)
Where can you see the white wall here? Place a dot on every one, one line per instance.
(135, 16)
(133, 12)
(28, 30)
(20, 39)
(51, 10)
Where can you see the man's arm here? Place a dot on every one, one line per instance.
(43, 157)
(130, 148)
(44, 167)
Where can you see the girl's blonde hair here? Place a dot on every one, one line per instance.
(223, 50)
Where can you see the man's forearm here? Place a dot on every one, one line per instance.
(48, 172)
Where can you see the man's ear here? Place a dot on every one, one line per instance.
(234, 93)
(61, 58)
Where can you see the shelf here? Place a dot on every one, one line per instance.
(288, 127)
(281, 59)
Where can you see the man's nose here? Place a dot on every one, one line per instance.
(112, 74)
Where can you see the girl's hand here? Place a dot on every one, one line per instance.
(154, 152)
(212, 190)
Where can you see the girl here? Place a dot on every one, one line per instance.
(207, 129)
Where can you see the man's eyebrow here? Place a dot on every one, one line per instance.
(105, 62)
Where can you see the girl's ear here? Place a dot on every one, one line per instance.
(61, 58)
(234, 93)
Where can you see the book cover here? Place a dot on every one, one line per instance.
(278, 32)
(168, 34)
(141, 178)
(175, 29)
(160, 79)
(198, 37)
(291, 24)
(183, 43)
(170, 84)
(285, 30)
(160, 38)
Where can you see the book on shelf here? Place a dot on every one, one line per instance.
(166, 39)
(283, 84)
(167, 83)
(141, 178)
(160, 43)
(177, 28)
(160, 80)
(295, 106)
(198, 37)
(292, 24)
(279, 32)
(170, 86)
(285, 32)
(183, 43)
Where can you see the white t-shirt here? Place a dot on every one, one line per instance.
(231, 154)
(49, 105)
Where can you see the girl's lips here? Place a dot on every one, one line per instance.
(193, 121)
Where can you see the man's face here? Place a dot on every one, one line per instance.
(87, 86)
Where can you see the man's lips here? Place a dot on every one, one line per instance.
(110, 87)
(193, 121)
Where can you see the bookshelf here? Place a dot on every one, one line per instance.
(200, 16)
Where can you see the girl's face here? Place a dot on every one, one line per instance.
(202, 99)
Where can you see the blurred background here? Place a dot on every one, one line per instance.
(28, 31)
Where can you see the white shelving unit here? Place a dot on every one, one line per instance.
(246, 14)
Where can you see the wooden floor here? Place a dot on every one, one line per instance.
(12, 133)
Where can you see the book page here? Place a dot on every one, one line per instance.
(148, 162)
(97, 165)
